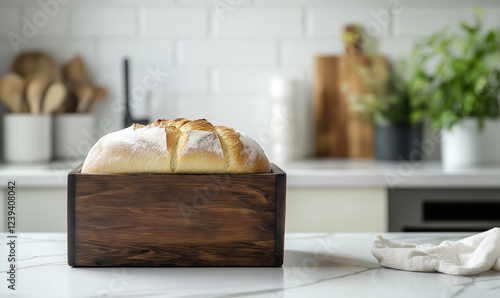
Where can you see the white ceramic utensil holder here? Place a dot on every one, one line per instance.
(73, 133)
(28, 138)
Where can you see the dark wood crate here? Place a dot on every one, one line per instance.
(176, 220)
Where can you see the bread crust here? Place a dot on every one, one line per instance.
(178, 146)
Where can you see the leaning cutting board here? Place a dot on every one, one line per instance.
(330, 109)
(341, 131)
(176, 220)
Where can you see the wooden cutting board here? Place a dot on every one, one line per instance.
(330, 106)
(340, 131)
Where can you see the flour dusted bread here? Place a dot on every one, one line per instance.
(176, 146)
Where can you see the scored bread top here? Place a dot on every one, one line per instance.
(176, 146)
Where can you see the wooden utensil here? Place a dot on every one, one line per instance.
(32, 63)
(69, 105)
(54, 97)
(75, 71)
(11, 92)
(99, 94)
(84, 93)
(35, 90)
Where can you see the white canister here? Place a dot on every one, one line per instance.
(28, 138)
(284, 118)
(74, 135)
(465, 146)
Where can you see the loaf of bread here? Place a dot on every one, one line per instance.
(177, 146)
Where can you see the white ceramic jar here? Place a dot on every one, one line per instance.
(27, 138)
(73, 135)
(464, 146)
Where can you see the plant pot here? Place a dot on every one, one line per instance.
(73, 135)
(28, 138)
(398, 141)
(464, 146)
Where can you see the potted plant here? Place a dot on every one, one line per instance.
(386, 103)
(454, 82)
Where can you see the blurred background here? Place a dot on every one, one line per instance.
(352, 98)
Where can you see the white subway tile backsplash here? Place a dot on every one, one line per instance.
(423, 22)
(259, 22)
(185, 80)
(57, 22)
(178, 21)
(234, 52)
(331, 21)
(164, 105)
(250, 81)
(9, 22)
(247, 113)
(103, 21)
(150, 52)
(303, 52)
(322, 3)
(110, 110)
(195, 107)
(153, 3)
(6, 55)
(396, 48)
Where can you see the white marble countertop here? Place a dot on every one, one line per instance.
(316, 265)
(371, 173)
(307, 173)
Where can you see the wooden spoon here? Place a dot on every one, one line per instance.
(54, 97)
(32, 63)
(35, 89)
(11, 91)
(99, 94)
(84, 93)
(69, 104)
(74, 71)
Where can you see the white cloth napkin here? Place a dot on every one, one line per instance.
(469, 256)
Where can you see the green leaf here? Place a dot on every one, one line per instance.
(461, 83)
(478, 12)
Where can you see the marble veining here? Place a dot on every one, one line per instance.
(316, 265)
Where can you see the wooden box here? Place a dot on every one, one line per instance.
(176, 220)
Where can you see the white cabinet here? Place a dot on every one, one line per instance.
(334, 209)
(37, 209)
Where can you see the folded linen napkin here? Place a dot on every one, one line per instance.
(469, 256)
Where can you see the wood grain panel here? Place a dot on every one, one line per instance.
(330, 109)
(176, 220)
